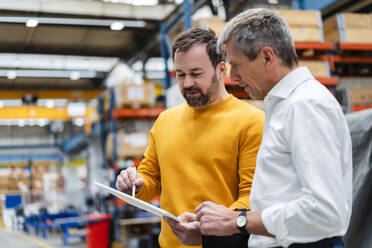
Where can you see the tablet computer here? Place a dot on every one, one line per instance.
(138, 203)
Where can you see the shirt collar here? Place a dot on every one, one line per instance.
(290, 82)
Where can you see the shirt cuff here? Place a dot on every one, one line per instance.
(274, 221)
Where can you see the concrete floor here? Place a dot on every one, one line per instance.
(17, 239)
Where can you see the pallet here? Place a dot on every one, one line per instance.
(136, 105)
(348, 28)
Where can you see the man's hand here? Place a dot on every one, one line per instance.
(216, 220)
(187, 231)
(127, 179)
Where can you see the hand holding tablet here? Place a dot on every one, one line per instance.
(138, 203)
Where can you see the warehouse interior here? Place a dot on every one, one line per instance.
(82, 82)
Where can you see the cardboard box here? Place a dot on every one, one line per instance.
(305, 25)
(349, 28)
(361, 96)
(132, 144)
(134, 95)
(317, 68)
(128, 145)
(215, 23)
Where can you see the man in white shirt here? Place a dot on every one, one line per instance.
(302, 188)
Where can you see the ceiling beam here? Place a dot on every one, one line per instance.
(39, 112)
(51, 94)
(89, 8)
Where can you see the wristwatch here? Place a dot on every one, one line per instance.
(241, 220)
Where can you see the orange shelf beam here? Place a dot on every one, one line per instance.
(314, 46)
(328, 81)
(229, 83)
(360, 108)
(351, 59)
(355, 46)
(239, 93)
(137, 113)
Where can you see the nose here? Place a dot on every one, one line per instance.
(188, 82)
(234, 77)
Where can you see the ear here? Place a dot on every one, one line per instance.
(268, 56)
(221, 70)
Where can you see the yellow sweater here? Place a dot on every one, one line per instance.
(200, 154)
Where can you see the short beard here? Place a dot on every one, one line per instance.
(204, 98)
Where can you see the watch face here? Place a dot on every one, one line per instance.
(241, 221)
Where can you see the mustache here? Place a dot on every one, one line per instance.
(192, 89)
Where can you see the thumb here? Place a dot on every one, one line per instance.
(139, 181)
(187, 217)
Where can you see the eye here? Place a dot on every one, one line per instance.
(195, 74)
(180, 75)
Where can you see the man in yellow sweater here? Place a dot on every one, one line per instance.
(201, 150)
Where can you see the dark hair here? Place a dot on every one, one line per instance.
(199, 36)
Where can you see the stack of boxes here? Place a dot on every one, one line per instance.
(128, 145)
(356, 29)
(349, 28)
(134, 96)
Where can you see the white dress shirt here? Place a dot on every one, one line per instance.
(303, 178)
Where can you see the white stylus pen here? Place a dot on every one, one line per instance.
(134, 185)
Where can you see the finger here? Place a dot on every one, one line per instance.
(202, 205)
(126, 180)
(132, 174)
(201, 211)
(168, 220)
(203, 229)
(139, 182)
(120, 185)
(187, 217)
(198, 216)
(117, 182)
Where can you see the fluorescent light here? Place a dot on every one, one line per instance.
(75, 75)
(117, 26)
(30, 122)
(78, 122)
(49, 104)
(21, 123)
(70, 21)
(42, 122)
(273, 1)
(13, 103)
(16, 63)
(31, 23)
(56, 62)
(11, 75)
(76, 109)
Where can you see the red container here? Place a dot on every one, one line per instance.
(98, 230)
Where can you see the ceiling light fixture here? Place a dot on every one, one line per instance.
(117, 26)
(70, 21)
(11, 75)
(273, 1)
(75, 75)
(49, 104)
(31, 23)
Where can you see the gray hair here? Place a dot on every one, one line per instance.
(256, 28)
